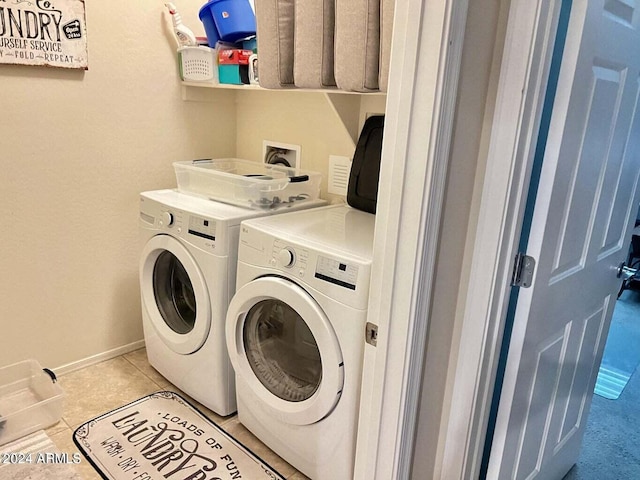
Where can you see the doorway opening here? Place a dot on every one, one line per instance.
(611, 444)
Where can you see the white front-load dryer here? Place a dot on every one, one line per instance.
(296, 334)
(187, 276)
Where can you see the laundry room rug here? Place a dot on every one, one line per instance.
(163, 437)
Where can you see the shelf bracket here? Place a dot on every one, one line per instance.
(347, 109)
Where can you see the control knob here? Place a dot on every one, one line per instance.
(286, 257)
(167, 218)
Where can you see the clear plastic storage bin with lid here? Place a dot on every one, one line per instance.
(247, 184)
(30, 400)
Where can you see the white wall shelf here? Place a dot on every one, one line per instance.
(228, 86)
(351, 108)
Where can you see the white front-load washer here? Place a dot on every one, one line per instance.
(187, 277)
(296, 334)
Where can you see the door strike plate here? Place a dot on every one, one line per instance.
(371, 334)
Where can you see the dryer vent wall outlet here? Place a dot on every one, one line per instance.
(280, 153)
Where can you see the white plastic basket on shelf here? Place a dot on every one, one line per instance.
(198, 64)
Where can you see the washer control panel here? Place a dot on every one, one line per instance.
(171, 214)
(171, 220)
(199, 226)
(287, 257)
(184, 224)
(202, 227)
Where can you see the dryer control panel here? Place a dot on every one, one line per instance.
(341, 276)
(337, 272)
(286, 256)
(326, 251)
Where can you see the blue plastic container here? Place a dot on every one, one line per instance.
(233, 20)
(209, 26)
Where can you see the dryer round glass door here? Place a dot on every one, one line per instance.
(282, 351)
(284, 348)
(174, 294)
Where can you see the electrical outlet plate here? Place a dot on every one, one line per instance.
(290, 153)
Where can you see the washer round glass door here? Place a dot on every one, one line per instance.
(174, 294)
(284, 347)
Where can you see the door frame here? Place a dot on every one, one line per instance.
(514, 133)
(425, 64)
(424, 72)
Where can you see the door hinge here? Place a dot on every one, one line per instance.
(371, 334)
(523, 269)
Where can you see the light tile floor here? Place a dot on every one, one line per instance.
(102, 387)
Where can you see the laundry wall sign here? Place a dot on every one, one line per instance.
(43, 32)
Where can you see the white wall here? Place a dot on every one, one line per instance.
(76, 148)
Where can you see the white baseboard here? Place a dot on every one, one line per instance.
(100, 357)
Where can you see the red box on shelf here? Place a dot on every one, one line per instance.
(233, 56)
(233, 66)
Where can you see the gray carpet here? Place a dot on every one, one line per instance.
(622, 351)
(611, 445)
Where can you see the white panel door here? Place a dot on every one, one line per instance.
(580, 233)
